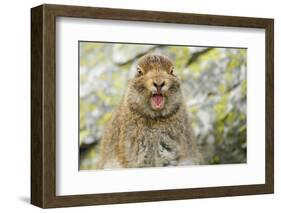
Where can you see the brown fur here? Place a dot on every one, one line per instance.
(140, 136)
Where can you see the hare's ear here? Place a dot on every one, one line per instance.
(139, 71)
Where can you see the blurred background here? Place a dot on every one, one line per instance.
(213, 81)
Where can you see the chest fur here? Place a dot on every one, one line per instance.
(152, 146)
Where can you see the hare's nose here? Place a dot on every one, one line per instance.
(159, 85)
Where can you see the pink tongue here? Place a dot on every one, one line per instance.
(157, 99)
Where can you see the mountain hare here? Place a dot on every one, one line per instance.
(150, 127)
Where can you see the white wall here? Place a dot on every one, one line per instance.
(15, 107)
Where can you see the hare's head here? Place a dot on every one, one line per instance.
(155, 89)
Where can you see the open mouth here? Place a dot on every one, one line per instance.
(157, 101)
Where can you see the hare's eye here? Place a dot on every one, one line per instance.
(139, 71)
(172, 71)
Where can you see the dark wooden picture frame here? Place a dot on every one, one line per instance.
(43, 105)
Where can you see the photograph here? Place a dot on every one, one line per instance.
(161, 105)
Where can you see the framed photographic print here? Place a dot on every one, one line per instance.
(136, 106)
